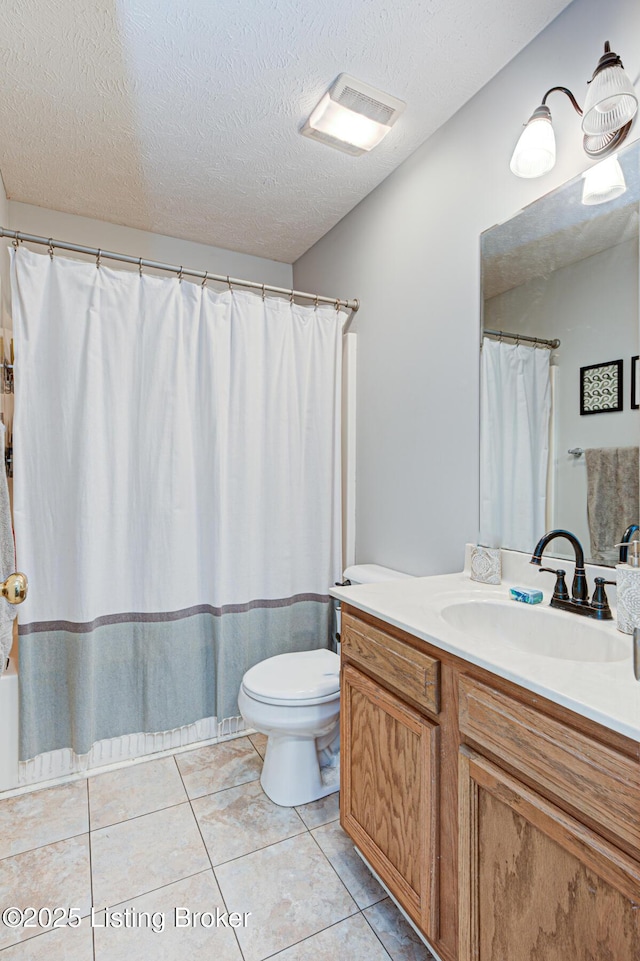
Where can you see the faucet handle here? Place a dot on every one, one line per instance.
(599, 601)
(560, 592)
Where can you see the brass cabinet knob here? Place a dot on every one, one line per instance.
(15, 588)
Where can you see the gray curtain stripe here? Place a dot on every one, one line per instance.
(135, 617)
(147, 677)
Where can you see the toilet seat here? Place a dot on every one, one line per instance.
(289, 702)
(306, 677)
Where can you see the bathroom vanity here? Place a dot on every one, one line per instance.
(494, 789)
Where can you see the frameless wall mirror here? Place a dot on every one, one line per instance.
(560, 387)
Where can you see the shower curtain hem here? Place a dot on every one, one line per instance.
(61, 763)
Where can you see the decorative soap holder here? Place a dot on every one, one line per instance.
(486, 565)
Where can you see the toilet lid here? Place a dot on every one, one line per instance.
(295, 677)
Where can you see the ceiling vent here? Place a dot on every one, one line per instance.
(353, 116)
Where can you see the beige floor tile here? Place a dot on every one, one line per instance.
(145, 853)
(259, 741)
(397, 935)
(291, 891)
(193, 941)
(359, 881)
(320, 812)
(219, 766)
(241, 820)
(53, 876)
(61, 944)
(352, 939)
(42, 817)
(134, 790)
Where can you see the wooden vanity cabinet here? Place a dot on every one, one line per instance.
(535, 882)
(549, 835)
(388, 800)
(507, 827)
(389, 764)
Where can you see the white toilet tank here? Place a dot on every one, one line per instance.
(365, 574)
(372, 574)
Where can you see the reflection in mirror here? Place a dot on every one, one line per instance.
(555, 451)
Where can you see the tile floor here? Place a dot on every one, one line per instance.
(190, 834)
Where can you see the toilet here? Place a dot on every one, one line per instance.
(295, 700)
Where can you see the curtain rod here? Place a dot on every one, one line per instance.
(540, 341)
(203, 275)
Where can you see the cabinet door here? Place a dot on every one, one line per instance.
(534, 882)
(388, 801)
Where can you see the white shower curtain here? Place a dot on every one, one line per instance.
(177, 495)
(515, 406)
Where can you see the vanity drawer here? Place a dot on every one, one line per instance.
(591, 778)
(405, 669)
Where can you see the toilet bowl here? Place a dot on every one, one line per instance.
(295, 700)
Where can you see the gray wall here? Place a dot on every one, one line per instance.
(410, 252)
(89, 232)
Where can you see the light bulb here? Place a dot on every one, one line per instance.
(535, 152)
(603, 182)
(354, 128)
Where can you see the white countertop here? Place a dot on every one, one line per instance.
(605, 691)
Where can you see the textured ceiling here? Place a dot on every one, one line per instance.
(182, 117)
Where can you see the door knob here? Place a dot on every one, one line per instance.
(15, 588)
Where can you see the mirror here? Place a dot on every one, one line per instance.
(562, 270)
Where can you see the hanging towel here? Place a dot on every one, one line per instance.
(612, 498)
(7, 560)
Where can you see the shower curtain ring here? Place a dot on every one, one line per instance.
(50, 248)
(316, 302)
(229, 283)
(291, 298)
(98, 259)
(180, 275)
(337, 305)
(140, 266)
(263, 293)
(204, 279)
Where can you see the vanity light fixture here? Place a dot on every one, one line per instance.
(609, 109)
(353, 116)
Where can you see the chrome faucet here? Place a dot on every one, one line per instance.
(579, 602)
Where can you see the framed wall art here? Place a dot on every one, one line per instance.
(635, 383)
(601, 388)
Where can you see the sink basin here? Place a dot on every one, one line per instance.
(538, 630)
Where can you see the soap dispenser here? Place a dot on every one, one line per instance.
(628, 590)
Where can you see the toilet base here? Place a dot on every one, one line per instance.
(291, 774)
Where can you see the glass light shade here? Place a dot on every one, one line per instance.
(353, 128)
(611, 102)
(535, 152)
(603, 182)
